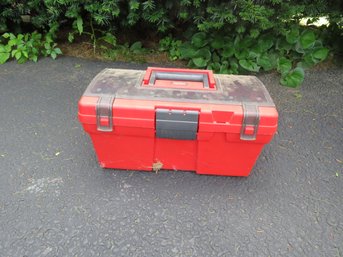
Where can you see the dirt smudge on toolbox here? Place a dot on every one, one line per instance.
(157, 166)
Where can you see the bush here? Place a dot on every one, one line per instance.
(228, 36)
(24, 47)
(167, 15)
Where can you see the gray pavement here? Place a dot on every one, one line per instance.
(56, 201)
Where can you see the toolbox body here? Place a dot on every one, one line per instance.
(178, 119)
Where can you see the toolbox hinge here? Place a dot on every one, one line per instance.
(251, 120)
(177, 124)
(104, 113)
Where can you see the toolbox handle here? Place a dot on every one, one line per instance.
(204, 76)
(178, 76)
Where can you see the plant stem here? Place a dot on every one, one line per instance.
(93, 35)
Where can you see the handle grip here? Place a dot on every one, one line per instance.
(179, 76)
(171, 74)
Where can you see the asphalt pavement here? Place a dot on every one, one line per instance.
(56, 201)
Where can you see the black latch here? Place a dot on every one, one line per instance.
(177, 124)
(104, 113)
(251, 120)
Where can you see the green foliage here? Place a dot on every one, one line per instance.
(241, 16)
(293, 78)
(237, 36)
(97, 36)
(135, 52)
(137, 48)
(24, 47)
(172, 46)
(289, 53)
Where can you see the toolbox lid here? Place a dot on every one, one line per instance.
(221, 89)
(226, 103)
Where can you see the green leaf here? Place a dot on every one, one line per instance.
(294, 78)
(14, 52)
(215, 66)
(228, 52)
(199, 62)
(266, 62)
(240, 29)
(187, 51)
(6, 35)
(246, 43)
(237, 41)
(249, 65)
(53, 55)
(215, 57)
(299, 49)
(307, 39)
(253, 54)
(254, 33)
(191, 63)
(12, 42)
(224, 68)
(284, 65)
(308, 61)
(283, 45)
(35, 58)
(22, 60)
(321, 54)
(47, 46)
(292, 35)
(4, 49)
(257, 49)
(233, 64)
(204, 53)
(71, 37)
(4, 57)
(17, 55)
(136, 46)
(110, 39)
(57, 50)
(7, 48)
(199, 39)
(218, 42)
(318, 44)
(79, 24)
(26, 54)
(242, 54)
(266, 42)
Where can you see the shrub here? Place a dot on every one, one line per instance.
(228, 36)
(24, 47)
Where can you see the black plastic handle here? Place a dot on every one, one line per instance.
(179, 76)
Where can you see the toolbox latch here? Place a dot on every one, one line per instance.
(104, 113)
(177, 124)
(251, 120)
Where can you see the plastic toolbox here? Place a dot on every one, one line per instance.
(178, 119)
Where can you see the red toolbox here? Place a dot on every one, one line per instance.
(178, 119)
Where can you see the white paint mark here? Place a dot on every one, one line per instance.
(41, 185)
(47, 250)
(126, 185)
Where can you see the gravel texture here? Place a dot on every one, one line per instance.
(56, 201)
